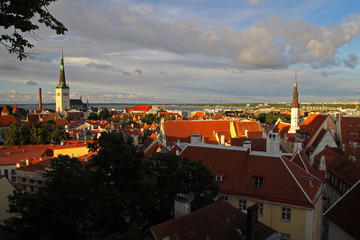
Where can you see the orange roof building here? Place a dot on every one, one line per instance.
(275, 182)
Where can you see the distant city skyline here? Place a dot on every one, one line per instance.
(193, 51)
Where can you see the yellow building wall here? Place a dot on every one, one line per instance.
(317, 220)
(72, 151)
(272, 218)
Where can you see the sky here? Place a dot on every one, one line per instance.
(192, 51)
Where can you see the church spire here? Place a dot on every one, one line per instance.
(294, 109)
(295, 102)
(62, 81)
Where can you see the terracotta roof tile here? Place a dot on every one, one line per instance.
(219, 220)
(241, 167)
(10, 155)
(6, 120)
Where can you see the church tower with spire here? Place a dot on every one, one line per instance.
(294, 109)
(62, 91)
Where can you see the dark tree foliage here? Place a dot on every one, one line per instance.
(150, 119)
(59, 210)
(122, 184)
(17, 134)
(17, 17)
(41, 133)
(115, 195)
(176, 175)
(104, 114)
(93, 116)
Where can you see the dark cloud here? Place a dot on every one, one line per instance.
(31, 83)
(138, 71)
(45, 59)
(351, 61)
(163, 73)
(98, 66)
(126, 73)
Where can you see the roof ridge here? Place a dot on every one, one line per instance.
(296, 179)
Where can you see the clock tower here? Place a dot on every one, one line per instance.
(62, 91)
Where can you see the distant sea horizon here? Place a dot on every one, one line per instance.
(121, 106)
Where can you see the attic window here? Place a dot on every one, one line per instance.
(219, 176)
(257, 181)
(350, 125)
(308, 180)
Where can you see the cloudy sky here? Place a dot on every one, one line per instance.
(193, 51)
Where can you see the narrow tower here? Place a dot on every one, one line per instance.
(294, 109)
(62, 91)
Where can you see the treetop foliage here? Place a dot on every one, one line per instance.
(19, 16)
(115, 195)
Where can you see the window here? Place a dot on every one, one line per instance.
(13, 178)
(40, 182)
(285, 214)
(31, 180)
(6, 173)
(242, 204)
(260, 209)
(285, 236)
(218, 178)
(223, 198)
(31, 189)
(257, 181)
(13, 172)
(24, 179)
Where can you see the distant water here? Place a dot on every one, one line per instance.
(121, 106)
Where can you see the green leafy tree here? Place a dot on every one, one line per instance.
(45, 133)
(176, 175)
(17, 134)
(104, 114)
(150, 118)
(261, 117)
(93, 116)
(59, 134)
(59, 210)
(18, 18)
(122, 187)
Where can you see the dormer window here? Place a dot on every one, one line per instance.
(257, 181)
(308, 180)
(219, 176)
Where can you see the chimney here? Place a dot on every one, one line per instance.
(247, 144)
(222, 139)
(183, 203)
(251, 222)
(195, 138)
(273, 143)
(40, 100)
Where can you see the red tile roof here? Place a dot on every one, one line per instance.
(5, 111)
(142, 108)
(240, 168)
(311, 124)
(219, 220)
(345, 213)
(350, 128)
(15, 108)
(183, 129)
(6, 120)
(11, 155)
(257, 144)
(282, 128)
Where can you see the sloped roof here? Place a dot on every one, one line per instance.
(52, 117)
(345, 213)
(15, 108)
(247, 125)
(257, 144)
(311, 124)
(183, 129)
(5, 120)
(5, 111)
(10, 155)
(345, 169)
(39, 166)
(281, 128)
(240, 167)
(219, 220)
(142, 108)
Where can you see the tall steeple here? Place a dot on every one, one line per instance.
(62, 91)
(294, 109)
(295, 102)
(62, 81)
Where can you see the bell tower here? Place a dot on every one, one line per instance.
(62, 91)
(294, 109)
